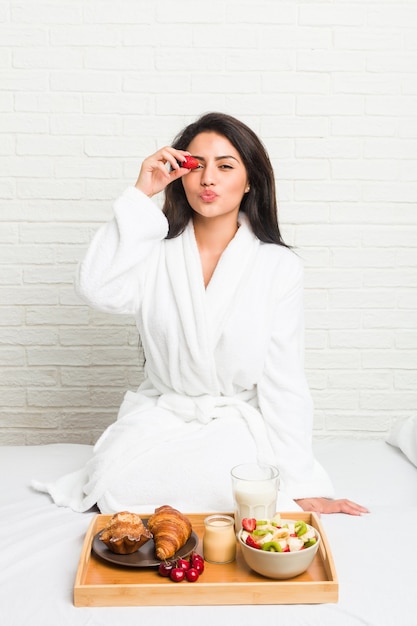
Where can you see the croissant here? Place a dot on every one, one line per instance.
(125, 533)
(170, 529)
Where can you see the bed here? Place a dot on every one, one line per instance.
(375, 555)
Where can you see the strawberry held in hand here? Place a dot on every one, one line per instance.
(190, 163)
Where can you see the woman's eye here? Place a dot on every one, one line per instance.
(226, 166)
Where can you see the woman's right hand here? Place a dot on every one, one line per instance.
(154, 175)
(327, 505)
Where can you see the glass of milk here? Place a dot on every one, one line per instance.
(255, 491)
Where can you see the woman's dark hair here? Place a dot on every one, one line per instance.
(259, 203)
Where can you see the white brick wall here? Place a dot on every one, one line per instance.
(89, 88)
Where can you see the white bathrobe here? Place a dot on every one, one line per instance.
(224, 376)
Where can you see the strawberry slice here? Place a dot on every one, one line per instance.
(250, 541)
(249, 524)
(190, 163)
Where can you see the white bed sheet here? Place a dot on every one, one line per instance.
(40, 547)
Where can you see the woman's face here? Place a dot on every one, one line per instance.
(217, 186)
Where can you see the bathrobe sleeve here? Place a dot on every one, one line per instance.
(110, 276)
(284, 397)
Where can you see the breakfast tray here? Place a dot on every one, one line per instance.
(99, 583)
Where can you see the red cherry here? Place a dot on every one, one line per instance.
(192, 575)
(165, 568)
(195, 557)
(197, 561)
(199, 566)
(177, 574)
(183, 564)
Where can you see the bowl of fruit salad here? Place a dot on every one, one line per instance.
(278, 548)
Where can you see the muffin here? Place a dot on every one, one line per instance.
(125, 533)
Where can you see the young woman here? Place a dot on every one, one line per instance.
(217, 297)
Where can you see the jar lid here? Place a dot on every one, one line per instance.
(222, 520)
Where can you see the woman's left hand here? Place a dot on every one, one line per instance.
(325, 505)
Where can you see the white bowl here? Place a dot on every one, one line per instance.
(279, 565)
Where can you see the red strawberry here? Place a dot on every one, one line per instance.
(190, 163)
(250, 541)
(249, 524)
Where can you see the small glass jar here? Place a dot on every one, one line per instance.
(219, 540)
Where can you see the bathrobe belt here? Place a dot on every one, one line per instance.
(206, 407)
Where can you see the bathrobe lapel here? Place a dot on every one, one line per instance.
(184, 271)
(230, 277)
(203, 311)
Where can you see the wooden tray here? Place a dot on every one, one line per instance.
(99, 583)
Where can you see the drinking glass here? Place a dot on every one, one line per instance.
(255, 491)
